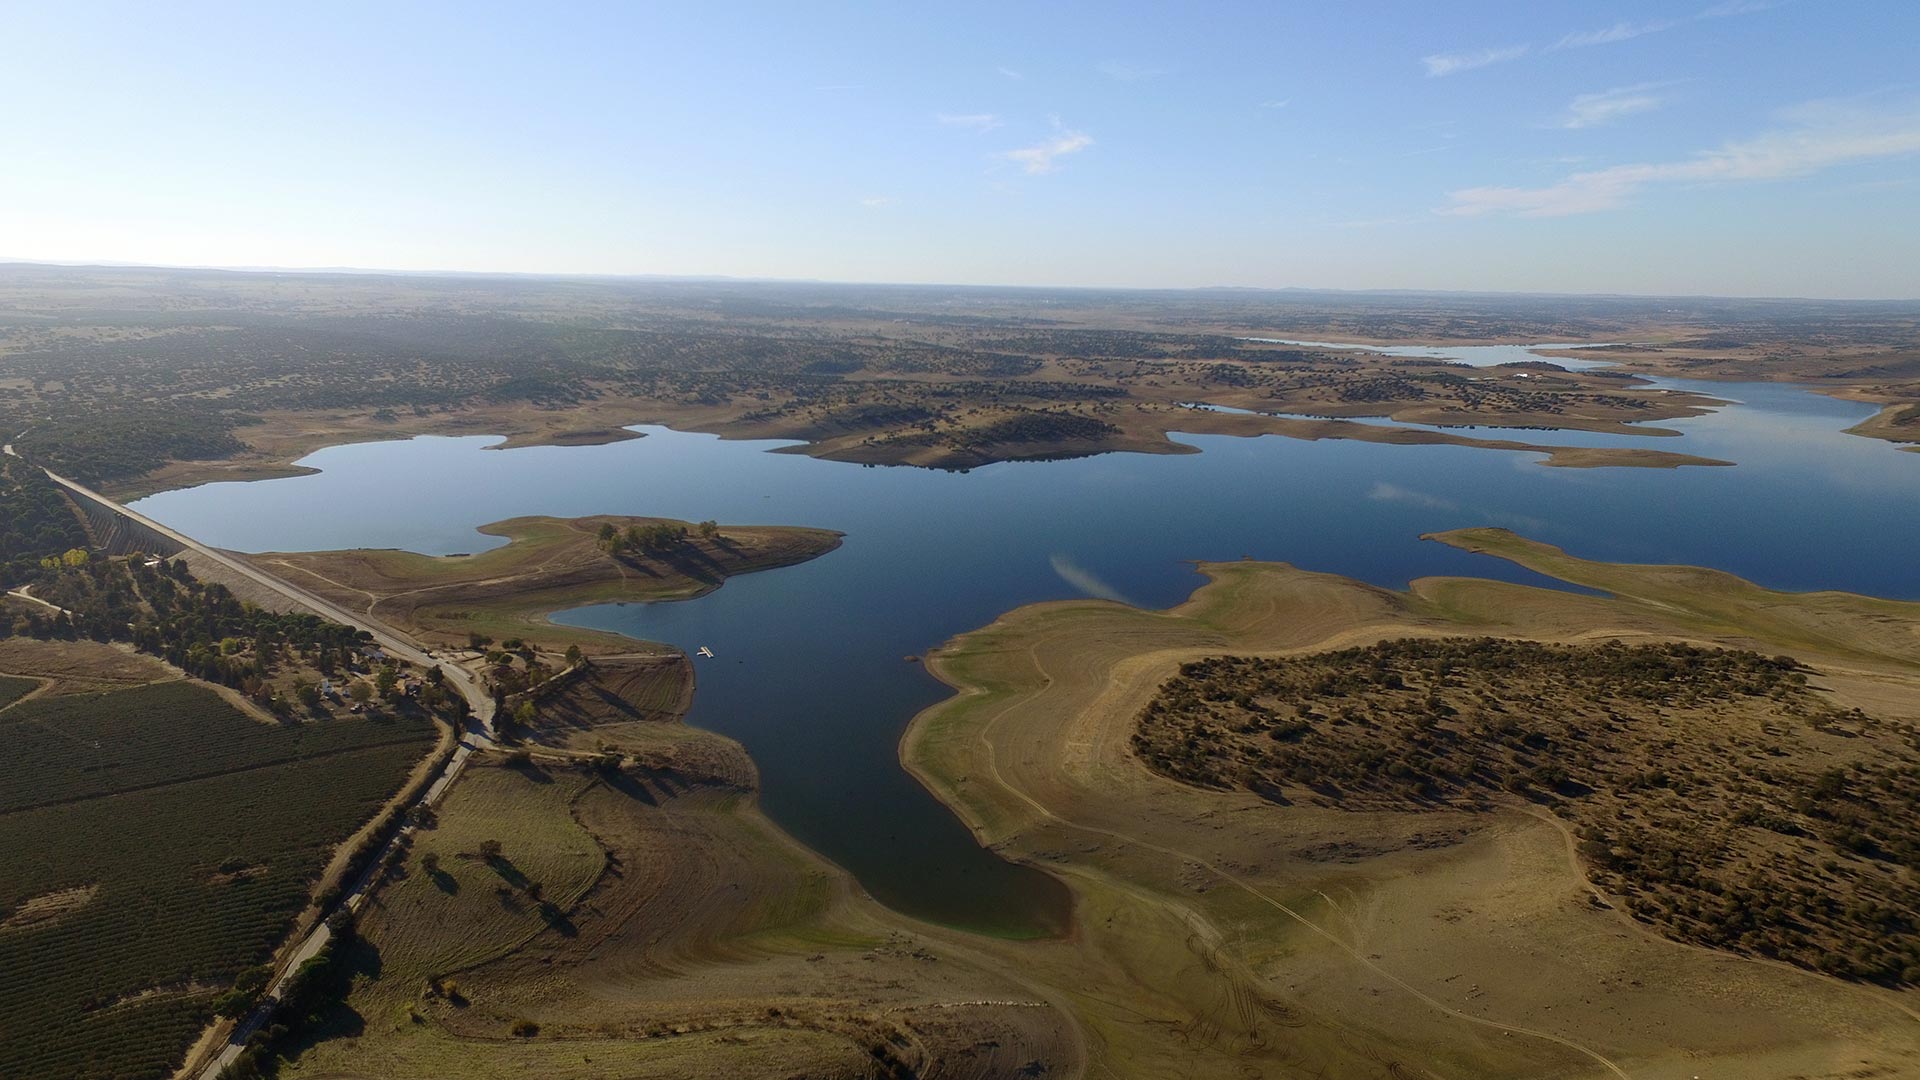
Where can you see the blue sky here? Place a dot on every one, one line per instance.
(1733, 148)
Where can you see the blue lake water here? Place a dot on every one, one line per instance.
(810, 673)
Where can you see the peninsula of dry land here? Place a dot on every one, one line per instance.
(1315, 827)
(548, 564)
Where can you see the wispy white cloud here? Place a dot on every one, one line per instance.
(1367, 223)
(1608, 35)
(1442, 64)
(1009, 73)
(1043, 157)
(1126, 71)
(1454, 63)
(1823, 135)
(1278, 103)
(971, 121)
(877, 201)
(1594, 110)
(1740, 7)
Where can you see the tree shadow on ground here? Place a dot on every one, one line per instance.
(508, 872)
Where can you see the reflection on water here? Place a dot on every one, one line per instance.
(1508, 433)
(810, 672)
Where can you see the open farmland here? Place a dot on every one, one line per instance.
(158, 842)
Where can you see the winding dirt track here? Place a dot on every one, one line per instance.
(993, 768)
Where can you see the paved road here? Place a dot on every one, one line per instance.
(393, 641)
(479, 734)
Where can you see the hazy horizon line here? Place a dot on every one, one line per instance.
(97, 264)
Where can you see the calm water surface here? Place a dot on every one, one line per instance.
(810, 672)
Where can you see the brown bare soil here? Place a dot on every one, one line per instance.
(49, 906)
(645, 688)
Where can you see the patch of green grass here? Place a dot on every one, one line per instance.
(461, 906)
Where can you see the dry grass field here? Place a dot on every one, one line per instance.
(78, 667)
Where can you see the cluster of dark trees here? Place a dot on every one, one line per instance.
(129, 438)
(654, 539)
(1133, 345)
(1830, 920)
(1029, 426)
(162, 609)
(36, 522)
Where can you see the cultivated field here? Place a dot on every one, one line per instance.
(65, 749)
(158, 845)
